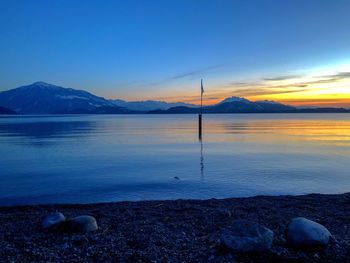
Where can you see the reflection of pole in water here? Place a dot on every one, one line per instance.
(202, 159)
(200, 127)
(200, 131)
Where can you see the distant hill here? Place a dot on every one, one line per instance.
(149, 105)
(274, 106)
(176, 110)
(4, 110)
(323, 110)
(241, 105)
(234, 105)
(43, 98)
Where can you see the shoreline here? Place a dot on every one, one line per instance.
(172, 230)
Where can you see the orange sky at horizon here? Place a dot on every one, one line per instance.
(322, 87)
(321, 102)
(325, 89)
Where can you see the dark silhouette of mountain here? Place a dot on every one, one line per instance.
(4, 110)
(176, 110)
(273, 106)
(149, 105)
(234, 105)
(323, 110)
(242, 105)
(43, 98)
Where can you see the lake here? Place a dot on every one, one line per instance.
(99, 158)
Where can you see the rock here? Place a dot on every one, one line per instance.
(302, 232)
(53, 221)
(246, 236)
(83, 224)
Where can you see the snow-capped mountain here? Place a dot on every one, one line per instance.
(44, 98)
(238, 104)
(234, 99)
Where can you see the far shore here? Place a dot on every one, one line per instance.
(172, 231)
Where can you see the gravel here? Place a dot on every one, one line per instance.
(173, 231)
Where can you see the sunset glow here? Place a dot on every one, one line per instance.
(296, 53)
(327, 89)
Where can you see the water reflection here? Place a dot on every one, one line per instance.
(327, 132)
(129, 157)
(46, 129)
(201, 159)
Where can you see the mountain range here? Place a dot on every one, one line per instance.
(147, 105)
(44, 98)
(234, 105)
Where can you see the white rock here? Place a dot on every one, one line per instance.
(302, 232)
(53, 220)
(246, 236)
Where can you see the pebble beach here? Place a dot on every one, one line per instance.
(174, 230)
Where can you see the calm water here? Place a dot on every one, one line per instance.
(70, 159)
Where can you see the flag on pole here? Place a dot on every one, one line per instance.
(202, 89)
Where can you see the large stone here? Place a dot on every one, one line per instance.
(302, 232)
(83, 224)
(53, 221)
(246, 236)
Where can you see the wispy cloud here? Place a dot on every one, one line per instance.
(184, 75)
(284, 84)
(283, 77)
(195, 72)
(264, 91)
(244, 84)
(339, 75)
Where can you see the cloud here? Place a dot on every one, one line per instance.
(244, 84)
(283, 77)
(212, 98)
(264, 91)
(192, 73)
(293, 85)
(328, 78)
(321, 79)
(261, 87)
(338, 76)
(319, 102)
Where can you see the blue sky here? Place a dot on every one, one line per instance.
(161, 49)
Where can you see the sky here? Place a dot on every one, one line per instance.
(293, 51)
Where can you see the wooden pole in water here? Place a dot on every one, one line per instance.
(200, 114)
